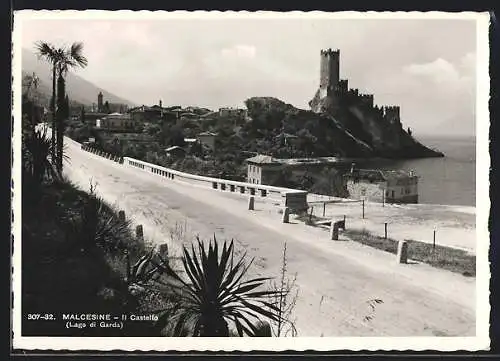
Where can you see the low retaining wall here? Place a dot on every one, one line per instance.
(294, 199)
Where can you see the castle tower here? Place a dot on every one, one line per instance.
(392, 114)
(329, 72)
(99, 102)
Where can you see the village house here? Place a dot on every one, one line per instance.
(263, 169)
(232, 112)
(388, 186)
(91, 118)
(239, 115)
(150, 114)
(117, 122)
(208, 139)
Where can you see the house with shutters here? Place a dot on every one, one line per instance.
(389, 186)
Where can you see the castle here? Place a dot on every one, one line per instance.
(333, 92)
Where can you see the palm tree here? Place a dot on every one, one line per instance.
(215, 295)
(61, 59)
(51, 54)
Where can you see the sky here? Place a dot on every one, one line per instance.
(426, 66)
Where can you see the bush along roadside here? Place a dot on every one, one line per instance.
(74, 263)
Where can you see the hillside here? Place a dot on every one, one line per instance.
(80, 90)
(349, 133)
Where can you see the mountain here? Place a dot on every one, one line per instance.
(350, 133)
(79, 90)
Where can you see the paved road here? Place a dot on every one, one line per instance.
(335, 279)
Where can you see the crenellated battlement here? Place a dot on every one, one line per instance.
(366, 99)
(393, 109)
(343, 86)
(330, 52)
(392, 113)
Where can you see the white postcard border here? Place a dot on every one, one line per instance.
(480, 342)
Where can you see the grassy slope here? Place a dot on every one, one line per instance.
(57, 277)
(447, 258)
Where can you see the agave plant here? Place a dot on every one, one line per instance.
(215, 295)
(37, 152)
(144, 271)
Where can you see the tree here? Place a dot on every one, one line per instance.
(61, 59)
(175, 136)
(29, 104)
(82, 114)
(51, 54)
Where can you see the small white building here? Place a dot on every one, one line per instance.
(263, 169)
(390, 186)
(117, 121)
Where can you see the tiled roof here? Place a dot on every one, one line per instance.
(380, 174)
(208, 133)
(173, 148)
(262, 159)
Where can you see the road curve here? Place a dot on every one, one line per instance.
(335, 279)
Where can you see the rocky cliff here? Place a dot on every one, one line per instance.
(349, 130)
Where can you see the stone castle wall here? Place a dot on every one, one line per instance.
(337, 91)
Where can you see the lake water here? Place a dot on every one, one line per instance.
(449, 180)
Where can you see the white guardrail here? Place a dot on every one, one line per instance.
(214, 183)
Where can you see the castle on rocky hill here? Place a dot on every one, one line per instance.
(334, 93)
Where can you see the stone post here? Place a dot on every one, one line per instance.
(286, 215)
(402, 255)
(163, 250)
(251, 203)
(334, 231)
(121, 216)
(139, 233)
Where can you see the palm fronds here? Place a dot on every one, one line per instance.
(45, 50)
(38, 155)
(76, 54)
(215, 294)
